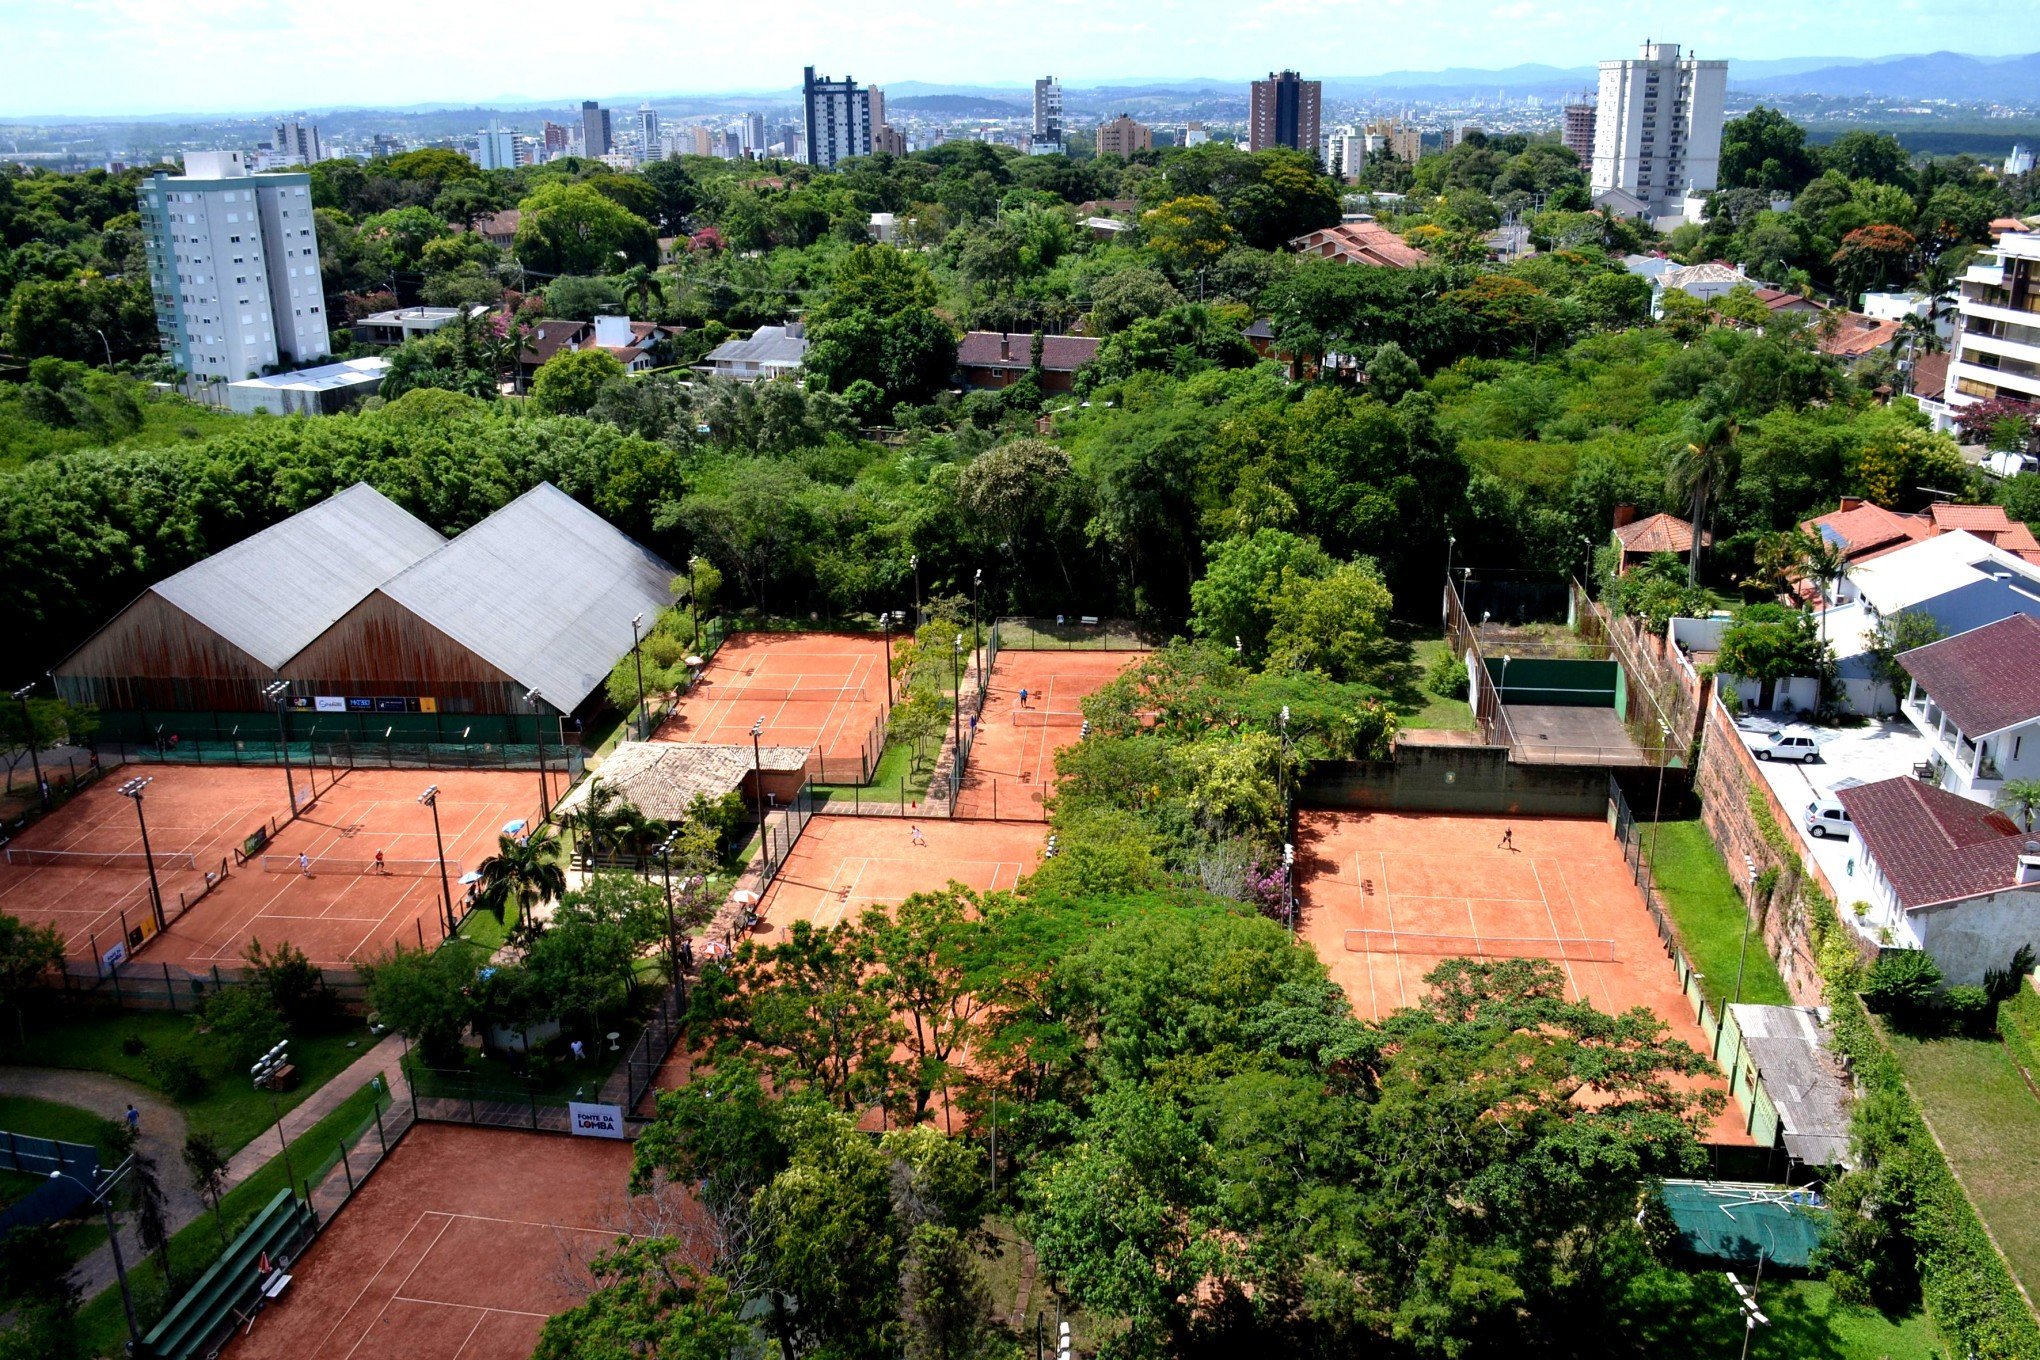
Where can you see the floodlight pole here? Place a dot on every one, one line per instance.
(535, 699)
(1450, 543)
(885, 622)
(672, 929)
(133, 789)
(976, 642)
(35, 759)
(430, 798)
(1749, 919)
(103, 1197)
(693, 602)
(278, 692)
(915, 562)
(637, 659)
(265, 1070)
(758, 775)
(956, 701)
(1657, 806)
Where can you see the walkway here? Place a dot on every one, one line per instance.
(163, 1133)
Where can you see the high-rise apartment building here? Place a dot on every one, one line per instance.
(595, 139)
(703, 141)
(297, 142)
(1404, 141)
(1284, 112)
(233, 267)
(1657, 131)
(1048, 116)
(1577, 132)
(554, 140)
(1346, 153)
(497, 149)
(754, 134)
(648, 127)
(1997, 343)
(1122, 137)
(839, 119)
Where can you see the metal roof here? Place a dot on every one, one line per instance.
(1806, 1083)
(543, 590)
(661, 779)
(272, 593)
(766, 345)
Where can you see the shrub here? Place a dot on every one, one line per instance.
(1903, 985)
(133, 1045)
(1970, 1010)
(293, 986)
(1447, 678)
(244, 1022)
(176, 1076)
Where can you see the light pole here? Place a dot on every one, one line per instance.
(637, 659)
(1657, 807)
(1289, 886)
(275, 694)
(536, 700)
(430, 798)
(264, 1072)
(1450, 543)
(133, 789)
(758, 775)
(976, 641)
(885, 622)
(956, 696)
(1749, 919)
(665, 853)
(103, 1197)
(914, 561)
(28, 736)
(694, 600)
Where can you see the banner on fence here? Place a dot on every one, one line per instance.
(595, 1121)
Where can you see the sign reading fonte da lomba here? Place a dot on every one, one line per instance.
(595, 1121)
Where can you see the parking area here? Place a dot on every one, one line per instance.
(1881, 749)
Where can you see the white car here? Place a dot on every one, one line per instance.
(1787, 746)
(1827, 818)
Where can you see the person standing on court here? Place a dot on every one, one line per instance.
(1508, 839)
(1023, 696)
(380, 867)
(304, 864)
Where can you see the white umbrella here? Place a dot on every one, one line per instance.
(744, 896)
(695, 662)
(471, 876)
(512, 828)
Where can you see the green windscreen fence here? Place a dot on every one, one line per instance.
(1733, 1221)
(1556, 680)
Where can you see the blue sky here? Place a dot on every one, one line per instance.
(148, 56)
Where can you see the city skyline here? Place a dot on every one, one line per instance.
(265, 56)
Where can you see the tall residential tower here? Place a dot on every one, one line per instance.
(233, 267)
(1284, 113)
(1657, 131)
(838, 119)
(1048, 117)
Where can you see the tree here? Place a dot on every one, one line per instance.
(1187, 233)
(525, 873)
(1237, 597)
(1871, 257)
(1701, 466)
(1335, 624)
(144, 1194)
(649, 1300)
(1771, 643)
(1391, 373)
(206, 1159)
(1127, 295)
(1891, 637)
(2021, 798)
(1764, 149)
(27, 954)
(879, 279)
(573, 380)
(572, 229)
(929, 951)
(423, 995)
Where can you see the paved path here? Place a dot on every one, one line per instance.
(163, 1131)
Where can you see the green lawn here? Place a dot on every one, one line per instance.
(1710, 913)
(1434, 711)
(67, 1123)
(101, 1324)
(228, 1106)
(1978, 1105)
(1808, 1322)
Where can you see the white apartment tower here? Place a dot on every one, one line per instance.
(296, 142)
(1657, 131)
(838, 119)
(497, 149)
(233, 267)
(1997, 346)
(1048, 116)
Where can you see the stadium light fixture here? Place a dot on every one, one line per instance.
(430, 798)
(133, 789)
(276, 694)
(28, 738)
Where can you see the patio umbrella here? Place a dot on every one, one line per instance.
(471, 876)
(512, 828)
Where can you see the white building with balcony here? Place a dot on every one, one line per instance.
(1997, 338)
(1657, 132)
(1976, 698)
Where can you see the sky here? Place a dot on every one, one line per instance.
(120, 57)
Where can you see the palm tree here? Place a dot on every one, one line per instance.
(643, 284)
(2021, 798)
(1827, 565)
(1702, 465)
(525, 872)
(1916, 335)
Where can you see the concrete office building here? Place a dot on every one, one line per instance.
(754, 134)
(1122, 137)
(233, 267)
(1284, 112)
(1577, 132)
(1657, 132)
(839, 119)
(595, 139)
(297, 142)
(1048, 117)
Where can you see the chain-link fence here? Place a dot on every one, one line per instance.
(1075, 632)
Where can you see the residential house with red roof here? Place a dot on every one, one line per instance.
(1940, 873)
(1360, 243)
(992, 359)
(1976, 698)
(1653, 534)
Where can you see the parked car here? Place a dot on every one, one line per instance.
(2006, 464)
(1788, 746)
(1825, 817)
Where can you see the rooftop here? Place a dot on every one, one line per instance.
(767, 346)
(273, 592)
(1360, 243)
(1857, 336)
(324, 378)
(1933, 846)
(1987, 679)
(1015, 350)
(543, 590)
(661, 779)
(1863, 529)
(1989, 523)
(1659, 533)
(1803, 1078)
(1918, 572)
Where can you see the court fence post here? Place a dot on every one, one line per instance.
(347, 1165)
(380, 1136)
(169, 991)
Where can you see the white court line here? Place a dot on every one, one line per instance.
(839, 897)
(482, 1308)
(1556, 933)
(377, 1272)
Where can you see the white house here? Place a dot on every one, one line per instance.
(1943, 874)
(1976, 697)
(771, 352)
(312, 391)
(1956, 579)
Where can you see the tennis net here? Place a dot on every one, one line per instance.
(331, 864)
(1047, 717)
(101, 859)
(1577, 950)
(780, 694)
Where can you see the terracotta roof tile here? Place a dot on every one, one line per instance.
(1865, 530)
(1986, 679)
(1659, 533)
(1360, 243)
(1059, 353)
(1932, 846)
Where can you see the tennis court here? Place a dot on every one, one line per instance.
(461, 1245)
(842, 865)
(819, 690)
(1012, 756)
(1385, 896)
(342, 911)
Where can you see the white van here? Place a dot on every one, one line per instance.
(1825, 817)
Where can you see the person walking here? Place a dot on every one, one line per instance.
(134, 1118)
(380, 867)
(1508, 839)
(304, 864)
(914, 835)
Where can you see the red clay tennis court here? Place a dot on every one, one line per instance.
(459, 1247)
(820, 690)
(842, 865)
(341, 912)
(1012, 757)
(1385, 896)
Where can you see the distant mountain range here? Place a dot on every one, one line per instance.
(1936, 75)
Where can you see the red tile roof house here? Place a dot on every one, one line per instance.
(1360, 243)
(632, 342)
(1976, 697)
(993, 359)
(1943, 874)
(1653, 534)
(1989, 523)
